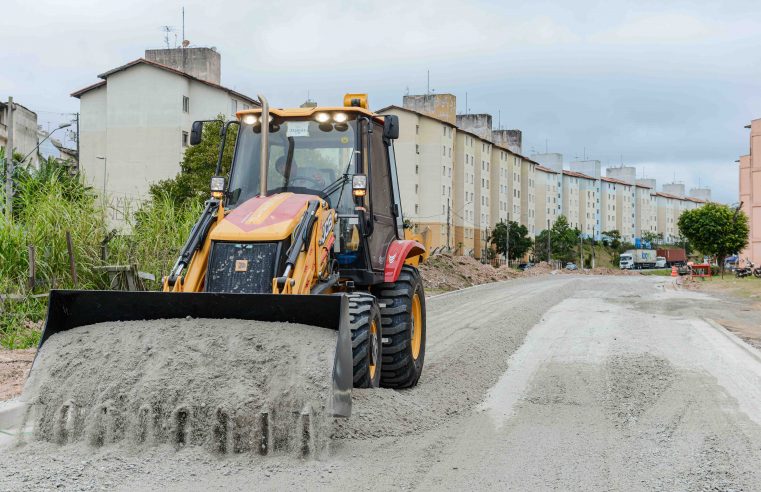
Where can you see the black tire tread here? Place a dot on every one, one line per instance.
(363, 307)
(399, 370)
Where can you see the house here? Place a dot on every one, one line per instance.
(24, 130)
(135, 122)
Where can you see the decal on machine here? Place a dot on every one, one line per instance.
(327, 226)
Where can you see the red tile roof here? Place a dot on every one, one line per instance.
(577, 175)
(615, 180)
(546, 169)
(143, 61)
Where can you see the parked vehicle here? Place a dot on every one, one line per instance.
(637, 259)
(661, 262)
(525, 266)
(571, 266)
(747, 270)
(731, 263)
(673, 256)
(757, 272)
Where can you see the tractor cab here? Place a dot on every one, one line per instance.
(343, 155)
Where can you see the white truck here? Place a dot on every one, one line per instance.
(637, 259)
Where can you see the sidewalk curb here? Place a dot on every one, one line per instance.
(752, 351)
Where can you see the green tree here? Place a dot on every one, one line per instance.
(563, 241)
(715, 230)
(650, 237)
(198, 166)
(520, 243)
(613, 238)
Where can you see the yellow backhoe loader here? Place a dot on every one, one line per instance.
(306, 228)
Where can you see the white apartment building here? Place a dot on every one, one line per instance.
(465, 214)
(527, 195)
(25, 137)
(625, 210)
(135, 123)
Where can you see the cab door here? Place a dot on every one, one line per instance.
(381, 199)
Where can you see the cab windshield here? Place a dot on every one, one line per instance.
(304, 157)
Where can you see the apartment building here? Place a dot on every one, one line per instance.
(646, 207)
(135, 123)
(459, 178)
(25, 136)
(548, 200)
(572, 198)
(465, 212)
(750, 192)
(426, 146)
(527, 195)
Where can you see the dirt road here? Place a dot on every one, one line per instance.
(549, 383)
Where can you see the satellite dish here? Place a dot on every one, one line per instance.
(185, 43)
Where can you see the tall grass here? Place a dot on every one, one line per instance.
(47, 204)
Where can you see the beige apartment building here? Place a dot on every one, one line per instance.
(750, 192)
(572, 198)
(426, 147)
(646, 209)
(459, 178)
(625, 210)
(465, 199)
(548, 203)
(527, 195)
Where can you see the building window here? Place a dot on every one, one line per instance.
(184, 139)
(185, 104)
(417, 148)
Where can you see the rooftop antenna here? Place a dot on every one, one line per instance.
(428, 83)
(167, 30)
(183, 27)
(499, 119)
(466, 103)
(546, 145)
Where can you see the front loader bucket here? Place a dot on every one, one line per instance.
(69, 309)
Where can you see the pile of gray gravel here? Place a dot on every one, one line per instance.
(226, 385)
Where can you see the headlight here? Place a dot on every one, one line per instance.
(217, 183)
(322, 117)
(249, 119)
(340, 117)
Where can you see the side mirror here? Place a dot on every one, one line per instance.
(196, 132)
(391, 127)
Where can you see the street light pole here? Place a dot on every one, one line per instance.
(549, 242)
(65, 125)
(105, 161)
(507, 241)
(9, 163)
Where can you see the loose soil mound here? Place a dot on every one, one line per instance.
(445, 272)
(186, 382)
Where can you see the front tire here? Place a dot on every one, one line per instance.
(365, 324)
(404, 330)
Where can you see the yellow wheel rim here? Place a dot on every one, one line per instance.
(373, 345)
(417, 326)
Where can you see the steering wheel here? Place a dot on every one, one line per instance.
(317, 184)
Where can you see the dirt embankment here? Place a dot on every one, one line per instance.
(446, 272)
(14, 366)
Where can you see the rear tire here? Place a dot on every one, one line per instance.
(365, 324)
(403, 316)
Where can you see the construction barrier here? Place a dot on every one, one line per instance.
(674, 273)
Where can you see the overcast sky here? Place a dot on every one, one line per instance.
(665, 88)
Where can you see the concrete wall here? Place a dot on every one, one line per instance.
(480, 124)
(589, 167)
(202, 63)
(674, 189)
(510, 139)
(701, 193)
(624, 173)
(551, 160)
(440, 106)
(25, 137)
(649, 182)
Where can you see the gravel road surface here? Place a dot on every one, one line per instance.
(547, 383)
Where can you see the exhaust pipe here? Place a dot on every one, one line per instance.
(264, 155)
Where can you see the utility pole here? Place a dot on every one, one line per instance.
(507, 241)
(593, 247)
(581, 251)
(77, 116)
(449, 227)
(549, 242)
(9, 163)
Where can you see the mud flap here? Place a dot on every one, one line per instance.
(69, 309)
